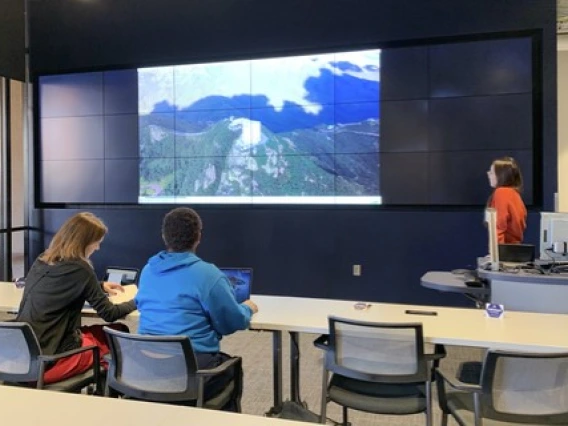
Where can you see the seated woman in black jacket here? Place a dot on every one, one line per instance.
(57, 286)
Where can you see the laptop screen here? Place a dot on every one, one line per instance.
(241, 281)
(124, 276)
(516, 253)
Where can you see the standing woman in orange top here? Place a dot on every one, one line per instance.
(505, 176)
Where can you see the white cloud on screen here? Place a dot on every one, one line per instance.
(280, 80)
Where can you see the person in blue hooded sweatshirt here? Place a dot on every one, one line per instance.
(180, 294)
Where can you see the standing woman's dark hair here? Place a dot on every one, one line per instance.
(508, 173)
(506, 179)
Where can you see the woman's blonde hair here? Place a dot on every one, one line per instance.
(73, 238)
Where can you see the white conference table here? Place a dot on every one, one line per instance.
(31, 407)
(520, 331)
(10, 297)
(517, 331)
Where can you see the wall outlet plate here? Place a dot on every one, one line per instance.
(356, 270)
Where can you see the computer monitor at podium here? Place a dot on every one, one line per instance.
(493, 240)
(554, 236)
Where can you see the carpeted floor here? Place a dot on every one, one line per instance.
(256, 350)
(255, 347)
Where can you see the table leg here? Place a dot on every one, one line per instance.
(277, 368)
(294, 367)
(294, 407)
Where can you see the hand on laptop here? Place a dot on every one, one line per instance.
(251, 305)
(112, 288)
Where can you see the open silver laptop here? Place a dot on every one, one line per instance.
(241, 281)
(121, 275)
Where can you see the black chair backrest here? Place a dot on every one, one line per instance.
(378, 352)
(526, 387)
(154, 368)
(19, 352)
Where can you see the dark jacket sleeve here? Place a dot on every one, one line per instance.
(108, 311)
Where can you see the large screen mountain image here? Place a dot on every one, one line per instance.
(300, 128)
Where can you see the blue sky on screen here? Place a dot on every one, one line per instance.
(276, 81)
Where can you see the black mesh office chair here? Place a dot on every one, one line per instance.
(515, 388)
(163, 369)
(377, 368)
(23, 364)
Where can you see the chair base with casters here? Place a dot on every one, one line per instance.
(164, 369)
(376, 368)
(23, 364)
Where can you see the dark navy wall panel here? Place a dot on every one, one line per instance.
(495, 122)
(307, 252)
(67, 34)
(478, 68)
(311, 253)
(72, 138)
(121, 180)
(404, 177)
(121, 92)
(121, 137)
(299, 252)
(61, 96)
(404, 126)
(457, 175)
(77, 181)
(406, 70)
(12, 39)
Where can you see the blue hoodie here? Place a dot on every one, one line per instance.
(181, 294)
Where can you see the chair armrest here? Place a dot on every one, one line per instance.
(440, 350)
(220, 368)
(456, 384)
(441, 380)
(438, 354)
(48, 358)
(322, 342)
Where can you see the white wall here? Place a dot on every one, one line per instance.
(16, 91)
(18, 181)
(563, 126)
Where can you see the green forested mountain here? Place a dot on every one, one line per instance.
(238, 157)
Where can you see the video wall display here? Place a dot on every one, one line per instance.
(300, 129)
(399, 126)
